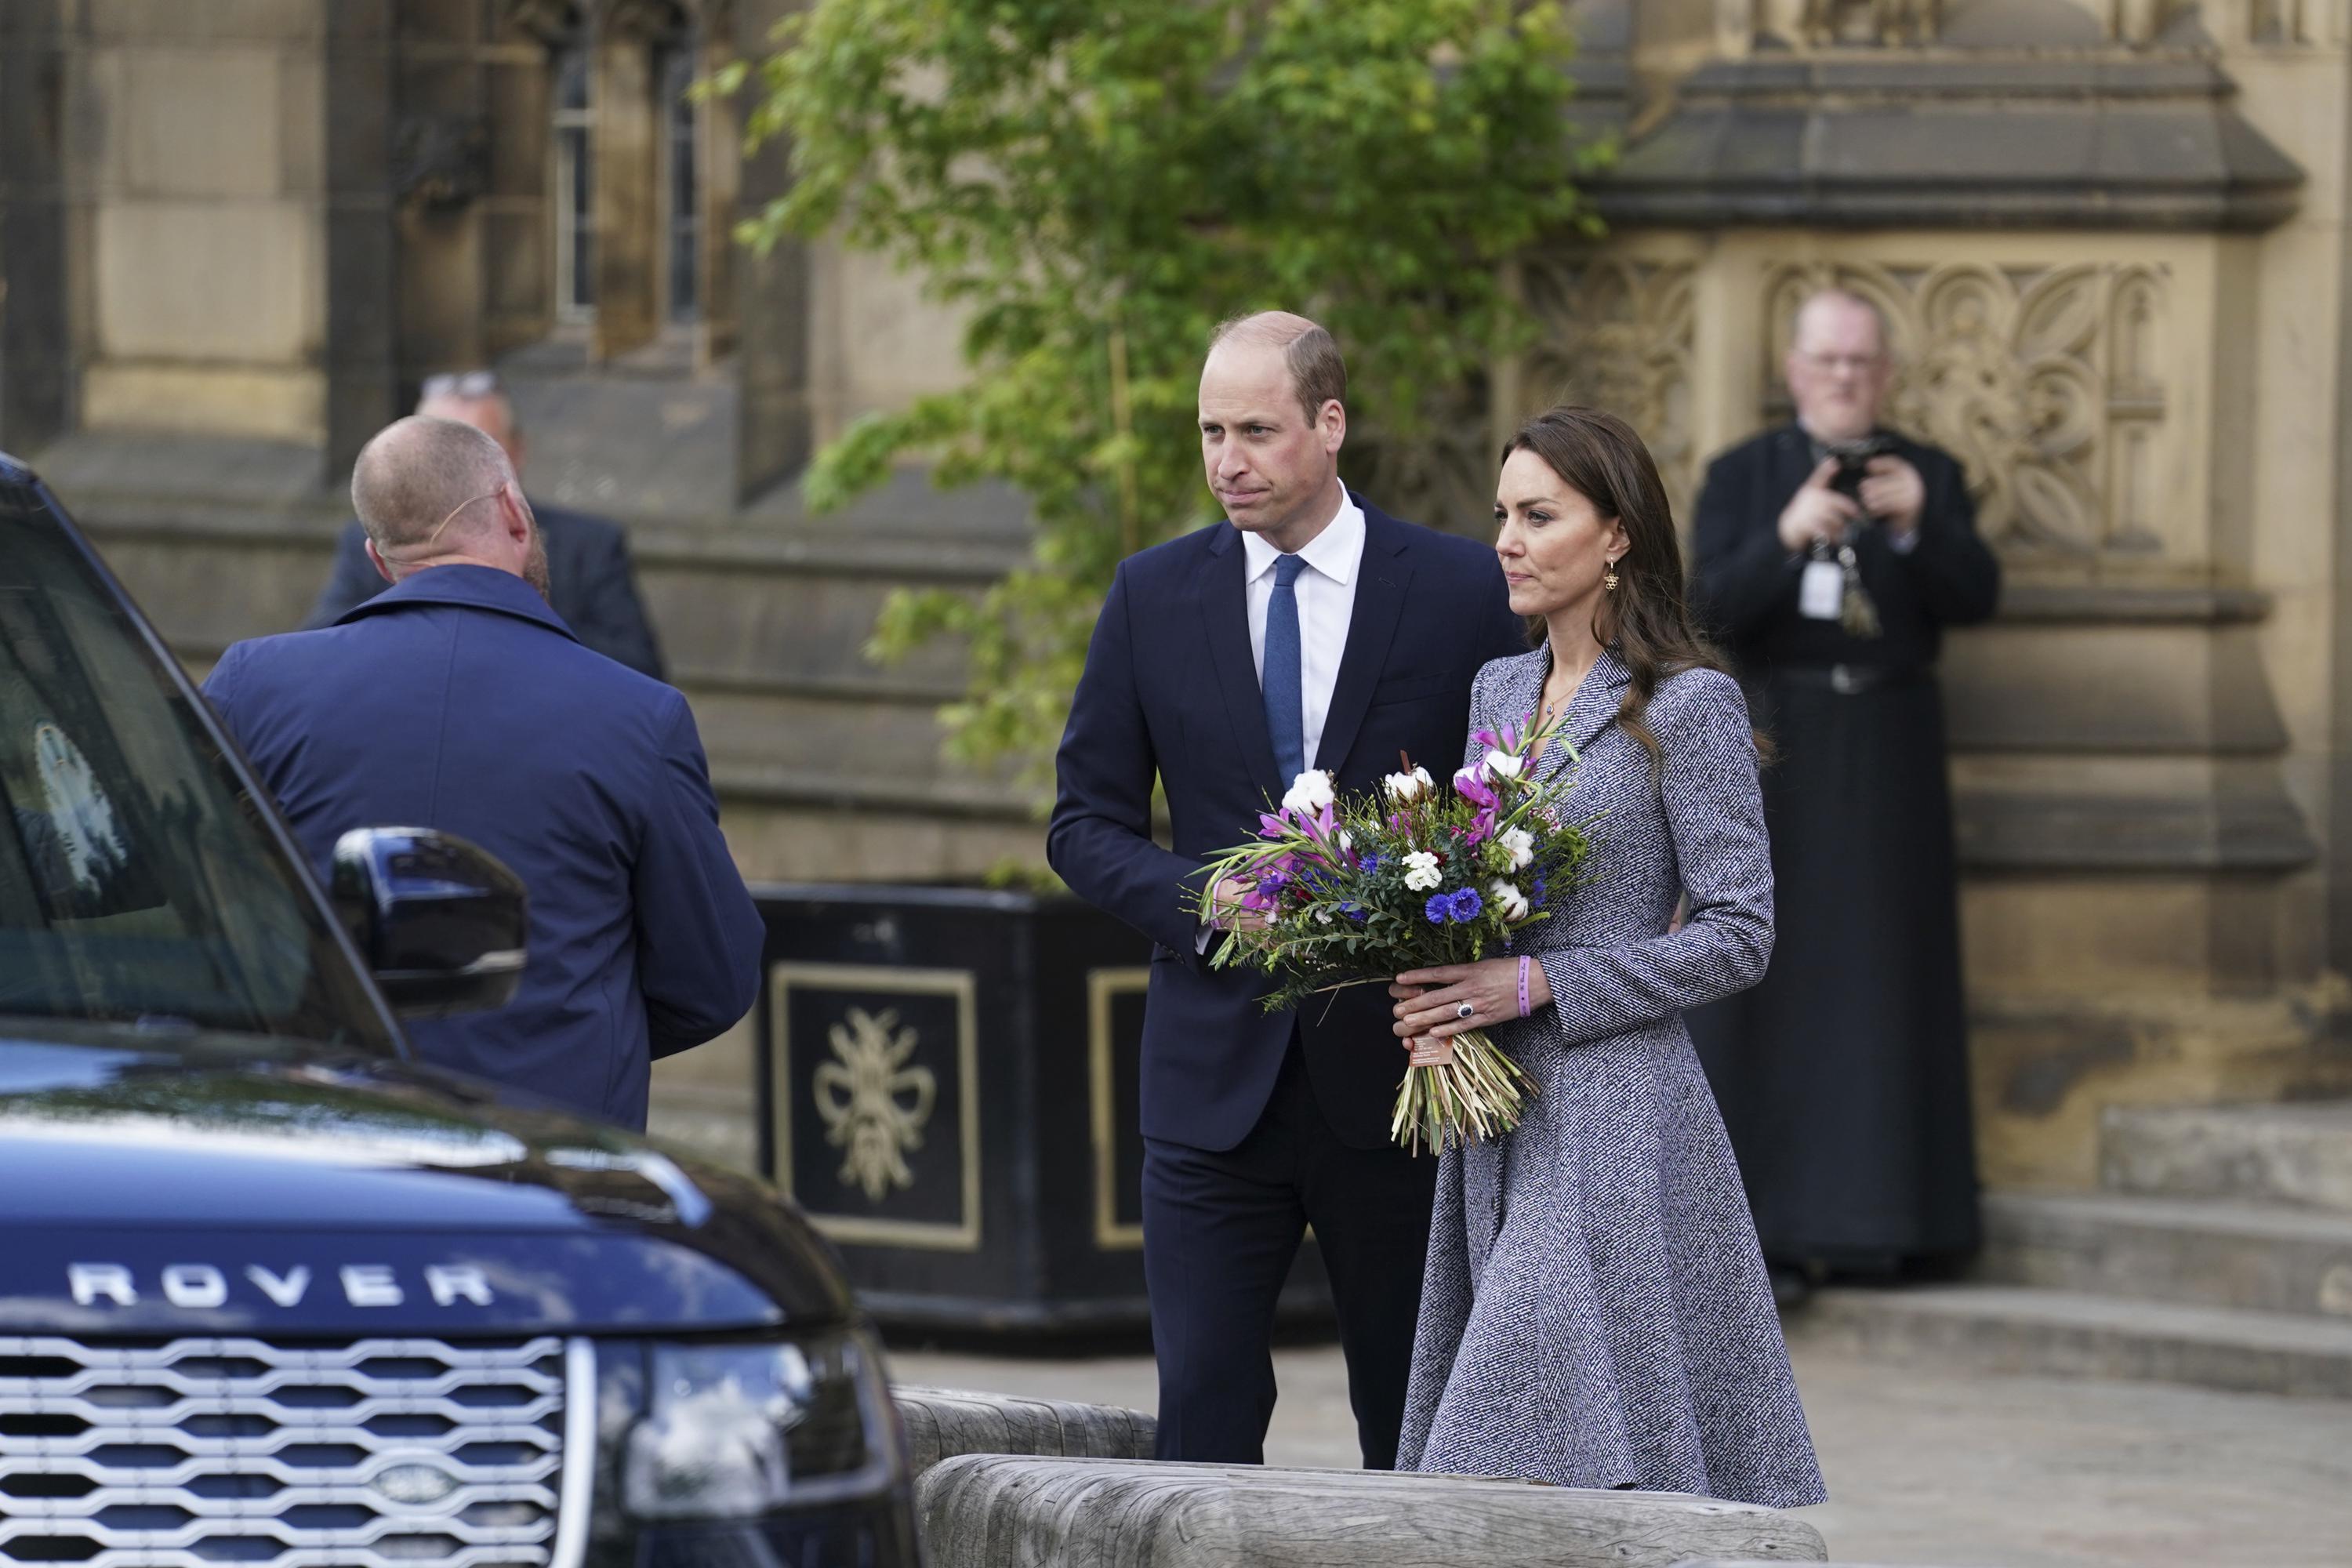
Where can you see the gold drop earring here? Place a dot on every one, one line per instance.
(1609, 578)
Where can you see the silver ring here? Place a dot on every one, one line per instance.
(1466, 1010)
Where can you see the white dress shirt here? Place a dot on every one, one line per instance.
(1326, 602)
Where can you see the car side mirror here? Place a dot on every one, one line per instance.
(442, 921)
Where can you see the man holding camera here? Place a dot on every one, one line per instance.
(1829, 556)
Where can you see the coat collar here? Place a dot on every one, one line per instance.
(1382, 579)
(1594, 706)
(469, 587)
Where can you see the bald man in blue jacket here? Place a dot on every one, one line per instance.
(458, 700)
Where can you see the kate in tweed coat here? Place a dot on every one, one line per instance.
(1594, 1310)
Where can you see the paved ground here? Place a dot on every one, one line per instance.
(1930, 1466)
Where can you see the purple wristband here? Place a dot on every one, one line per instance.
(1524, 959)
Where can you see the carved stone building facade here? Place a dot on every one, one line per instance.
(2110, 236)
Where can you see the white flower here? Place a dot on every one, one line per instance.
(1420, 872)
(1405, 788)
(1504, 765)
(1346, 839)
(1310, 792)
(1322, 917)
(1507, 901)
(1519, 843)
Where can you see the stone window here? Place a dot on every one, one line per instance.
(571, 134)
(634, 196)
(682, 194)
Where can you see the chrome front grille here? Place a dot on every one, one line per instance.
(197, 1453)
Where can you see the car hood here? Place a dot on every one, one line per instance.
(145, 1190)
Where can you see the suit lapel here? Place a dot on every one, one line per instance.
(1381, 579)
(1595, 702)
(1225, 619)
(1791, 462)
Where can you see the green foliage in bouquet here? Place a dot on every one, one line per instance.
(1098, 182)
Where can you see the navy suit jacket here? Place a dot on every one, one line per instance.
(1170, 691)
(589, 580)
(459, 701)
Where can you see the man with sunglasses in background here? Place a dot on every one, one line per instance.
(457, 700)
(592, 583)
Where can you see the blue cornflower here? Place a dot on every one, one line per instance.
(1371, 862)
(1537, 896)
(1440, 909)
(1353, 911)
(1467, 905)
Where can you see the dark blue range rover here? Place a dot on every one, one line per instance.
(270, 1292)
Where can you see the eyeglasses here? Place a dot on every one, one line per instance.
(1859, 364)
(466, 383)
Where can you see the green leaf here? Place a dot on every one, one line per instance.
(1097, 183)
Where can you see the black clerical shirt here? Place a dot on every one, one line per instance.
(1744, 581)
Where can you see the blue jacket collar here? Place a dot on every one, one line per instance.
(469, 587)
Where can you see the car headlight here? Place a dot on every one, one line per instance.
(736, 1430)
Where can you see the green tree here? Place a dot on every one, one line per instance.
(1100, 182)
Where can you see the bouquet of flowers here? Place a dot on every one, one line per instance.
(1355, 891)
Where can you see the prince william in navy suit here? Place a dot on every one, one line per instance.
(1309, 630)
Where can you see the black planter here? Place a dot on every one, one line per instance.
(948, 1088)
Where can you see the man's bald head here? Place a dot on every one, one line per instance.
(1825, 311)
(417, 473)
(1316, 370)
(1838, 367)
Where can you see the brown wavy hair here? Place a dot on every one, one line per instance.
(1646, 621)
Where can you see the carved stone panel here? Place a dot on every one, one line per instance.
(2047, 382)
(1616, 334)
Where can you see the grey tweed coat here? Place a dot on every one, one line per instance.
(1594, 1312)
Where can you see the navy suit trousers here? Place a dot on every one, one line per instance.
(1220, 1233)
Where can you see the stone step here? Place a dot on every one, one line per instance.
(726, 606)
(2022, 1330)
(825, 728)
(788, 827)
(2206, 1252)
(2299, 1154)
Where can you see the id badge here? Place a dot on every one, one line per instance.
(1821, 592)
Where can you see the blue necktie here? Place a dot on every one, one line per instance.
(1285, 726)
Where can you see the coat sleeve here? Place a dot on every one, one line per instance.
(1715, 820)
(700, 937)
(354, 580)
(1739, 570)
(616, 625)
(1957, 574)
(220, 689)
(1099, 839)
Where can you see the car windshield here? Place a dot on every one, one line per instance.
(138, 883)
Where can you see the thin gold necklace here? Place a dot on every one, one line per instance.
(1568, 698)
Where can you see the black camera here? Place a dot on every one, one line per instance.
(1853, 463)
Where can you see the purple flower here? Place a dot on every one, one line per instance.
(1471, 785)
(1370, 862)
(1467, 905)
(1440, 909)
(1537, 896)
(1353, 911)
